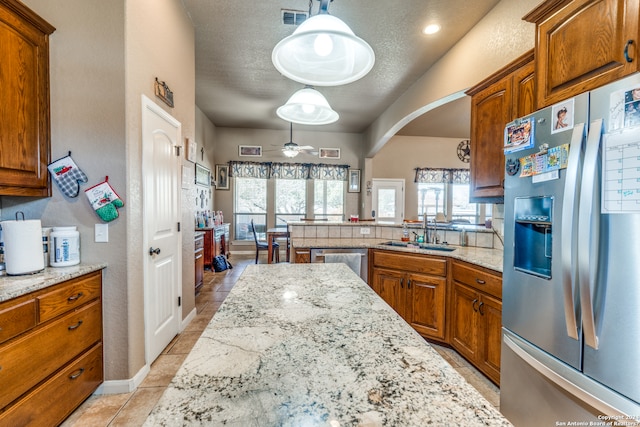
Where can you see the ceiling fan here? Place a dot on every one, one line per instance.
(291, 149)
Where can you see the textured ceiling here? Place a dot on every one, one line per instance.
(238, 86)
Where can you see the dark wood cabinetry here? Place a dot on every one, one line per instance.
(476, 316)
(199, 260)
(52, 355)
(582, 45)
(25, 135)
(415, 287)
(499, 99)
(216, 242)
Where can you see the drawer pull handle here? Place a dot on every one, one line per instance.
(480, 309)
(480, 281)
(75, 297)
(409, 284)
(473, 304)
(76, 374)
(402, 283)
(76, 326)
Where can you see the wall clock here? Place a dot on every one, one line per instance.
(464, 151)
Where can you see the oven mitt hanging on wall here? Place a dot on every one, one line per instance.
(104, 200)
(67, 175)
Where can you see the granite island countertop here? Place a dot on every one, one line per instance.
(485, 257)
(313, 345)
(15, 286)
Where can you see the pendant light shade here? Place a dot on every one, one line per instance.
(289, 150)
(323, 51)
(307, 107)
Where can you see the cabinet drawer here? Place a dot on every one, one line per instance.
(413, 263)
(199, 243)
(73, 294)
(477, 279)
(44, 405)
(17, 319)
(28, 360)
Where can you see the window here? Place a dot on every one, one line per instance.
(250, 203)
(453, 201)
(291, 200)
(328, 199)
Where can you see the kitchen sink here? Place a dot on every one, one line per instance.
(428, 246)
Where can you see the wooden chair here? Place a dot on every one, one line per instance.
(262, 245)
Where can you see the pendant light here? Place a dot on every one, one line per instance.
(323, 51)
(307, 107)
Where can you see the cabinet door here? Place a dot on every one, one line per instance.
(25, 125)
(490, 112)
(464, 321)
(490, 326)
(582, 46)
(426, 304)
(302, 256)
(199, 269)
(390, 285)
(524, 90)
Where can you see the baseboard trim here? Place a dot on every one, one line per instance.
(188, 319)
(124, 386)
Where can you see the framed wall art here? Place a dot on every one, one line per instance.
(250, 151)
(329, 153)
(354, 181)
(203, 175)
(190, 150)
(222, 177)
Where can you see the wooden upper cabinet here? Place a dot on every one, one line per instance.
(497, 100)
(24, 78)
(582, 45)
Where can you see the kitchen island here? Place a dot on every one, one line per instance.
(313, 345)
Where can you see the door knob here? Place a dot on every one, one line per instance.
(154, 251)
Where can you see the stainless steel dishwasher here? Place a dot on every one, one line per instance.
(317, 255)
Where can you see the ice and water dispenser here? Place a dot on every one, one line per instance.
(533, 235)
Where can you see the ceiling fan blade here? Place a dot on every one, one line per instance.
(306, 147)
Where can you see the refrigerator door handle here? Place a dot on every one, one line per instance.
(600, 403)
(568, 238)
(588, 231)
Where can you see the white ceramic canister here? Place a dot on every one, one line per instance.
(64, 246)
(22, 246)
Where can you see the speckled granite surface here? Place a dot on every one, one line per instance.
(489, 258)
(313, 345)
(15, 286)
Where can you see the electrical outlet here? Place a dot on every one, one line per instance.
(101, 233)
(365, 230)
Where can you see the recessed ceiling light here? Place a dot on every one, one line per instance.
(431, 29)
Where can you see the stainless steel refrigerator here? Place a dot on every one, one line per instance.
(571, 279)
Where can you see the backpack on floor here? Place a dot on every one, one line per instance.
(220, 263)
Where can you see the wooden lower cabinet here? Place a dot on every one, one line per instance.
(199, 262)
(417, 293)
(446, 300)
(476, 318)
(301, 256)
(53, 362)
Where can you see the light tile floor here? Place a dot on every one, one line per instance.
(132, 409)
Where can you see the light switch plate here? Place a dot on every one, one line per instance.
(365, 230)
(101, 233)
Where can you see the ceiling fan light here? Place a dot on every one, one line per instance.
(289, 152)
(323, 51)
(307, 107)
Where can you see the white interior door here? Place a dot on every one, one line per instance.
(161, 134)
(388, 200)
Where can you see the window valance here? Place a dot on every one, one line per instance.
(268, 170)
(439, 175)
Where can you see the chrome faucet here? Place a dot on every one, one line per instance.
(430, 236)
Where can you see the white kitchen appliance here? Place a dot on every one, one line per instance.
(22, 246)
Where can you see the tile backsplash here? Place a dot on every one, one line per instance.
(478, 237)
